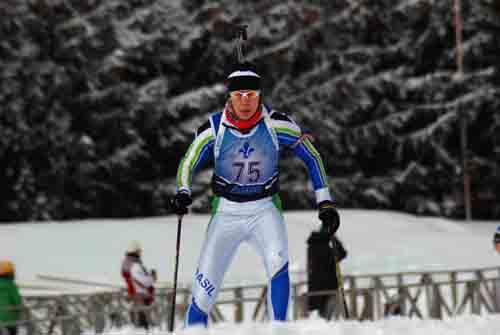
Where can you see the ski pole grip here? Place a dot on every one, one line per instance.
(241, 31)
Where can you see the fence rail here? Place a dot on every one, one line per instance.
(437, 294)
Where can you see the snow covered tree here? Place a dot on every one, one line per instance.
(100, 99)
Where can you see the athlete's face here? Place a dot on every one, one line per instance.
(497, 247)
(245, 103)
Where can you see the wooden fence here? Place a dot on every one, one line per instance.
(438, 294)
(435, 294)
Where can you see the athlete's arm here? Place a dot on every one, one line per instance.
(198, 154)
(290, 135)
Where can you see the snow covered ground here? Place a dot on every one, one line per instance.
(377, 242)
(465, 325)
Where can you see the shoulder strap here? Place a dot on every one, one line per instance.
(215, 119)
(268, 123)
(269, 108)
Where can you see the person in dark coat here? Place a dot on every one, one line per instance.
(323, 253)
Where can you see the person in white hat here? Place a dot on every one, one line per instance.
(140, 283)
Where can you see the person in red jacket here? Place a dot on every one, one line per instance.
(140, 284)
(496, 239)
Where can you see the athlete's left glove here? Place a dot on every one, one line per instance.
(180, 202)
(329, 217)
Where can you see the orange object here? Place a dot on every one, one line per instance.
(6, 268)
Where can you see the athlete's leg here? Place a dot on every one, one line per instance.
(224, 234)
(269, 237)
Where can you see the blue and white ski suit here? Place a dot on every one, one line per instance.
(246, 207)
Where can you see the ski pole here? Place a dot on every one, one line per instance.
(340, 280)
(174, 293)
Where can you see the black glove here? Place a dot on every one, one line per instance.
(329, 217)
(180, 202)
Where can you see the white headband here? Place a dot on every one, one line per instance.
(243, 74)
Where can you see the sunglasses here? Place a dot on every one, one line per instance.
(245, 94)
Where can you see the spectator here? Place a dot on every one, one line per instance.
(496, 239)
(10, 299)
(323, 253)
(496, 243)
(139, 282)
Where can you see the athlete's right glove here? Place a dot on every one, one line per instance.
(180, 202)
(329, 217)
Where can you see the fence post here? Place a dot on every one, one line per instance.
(238, 312)
(435, 311)
(353, 296)
(379, 310)
(30, 325)
(496, 294)
(401, 295)
(69, 323)
(475, 303)
(427, 281)
(295, 296)
(98, 311)
(304, 302)
(368, 310)
(454, 289)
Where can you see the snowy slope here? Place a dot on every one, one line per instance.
(465, 325)
(377, 242)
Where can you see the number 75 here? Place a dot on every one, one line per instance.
(252, 169)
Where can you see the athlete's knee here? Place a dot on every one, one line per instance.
(277, 261)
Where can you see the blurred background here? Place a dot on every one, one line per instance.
(99, 100)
